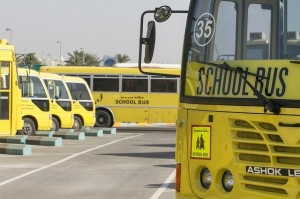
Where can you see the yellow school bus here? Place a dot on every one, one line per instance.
(83, 102)
(123, 94)
(60, 103)
(35, 104)
(238, 125)
(10, 92)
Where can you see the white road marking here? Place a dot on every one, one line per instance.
(164, 186)
(63, 160)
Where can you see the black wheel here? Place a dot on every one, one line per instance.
(77, 123)
(55, 124)
(29, 127)
(103, 119)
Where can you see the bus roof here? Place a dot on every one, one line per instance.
(81, 70)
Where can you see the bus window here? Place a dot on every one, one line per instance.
(258, 31)
(33, 88)
(106, 84)
(4, 84)
(138, 84)
(78, 91)
(225, 45)
(4, 108)
(163, 85)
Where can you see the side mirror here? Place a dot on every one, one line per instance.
(162, 13)
(149, 42)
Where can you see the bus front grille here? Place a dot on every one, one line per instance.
(260, 144)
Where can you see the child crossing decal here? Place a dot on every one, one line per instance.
(201, 140)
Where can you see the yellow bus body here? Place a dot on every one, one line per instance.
(10, 92)
(248, 142)
(238, 124)
(124, 106)
(35, 102)
(83, 102)
(60, 105)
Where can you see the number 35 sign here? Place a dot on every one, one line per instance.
(204, 29)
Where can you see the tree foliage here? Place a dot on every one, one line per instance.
(122, 58)
(28, 59)
(80, 58)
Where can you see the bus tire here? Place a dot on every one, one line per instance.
(55, 124)
(29, 127)
(77, 123)
(103, 119)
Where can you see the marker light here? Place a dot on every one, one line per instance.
(205, 178)
(227, 181)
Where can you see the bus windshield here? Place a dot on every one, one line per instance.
(214, 27)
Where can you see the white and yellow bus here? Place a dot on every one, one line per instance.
(83, 102)
(123, 94)
(35, 104)
(60, 103)
(238, 125)
(10, 92)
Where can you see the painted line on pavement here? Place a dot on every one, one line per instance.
(164, 186)
(64, 160)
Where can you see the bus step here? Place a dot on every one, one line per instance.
(45, 133)
(94, 132)
(45, 141)
(70, 135)
(109, 130)
(15, 149)
(17, 139)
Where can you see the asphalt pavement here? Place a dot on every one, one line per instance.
(136, 163)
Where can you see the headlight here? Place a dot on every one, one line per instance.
(205, 178)
(227, 181)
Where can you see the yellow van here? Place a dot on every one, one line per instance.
(60, 104)
(83, 102)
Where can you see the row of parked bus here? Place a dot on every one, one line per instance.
(51, 102)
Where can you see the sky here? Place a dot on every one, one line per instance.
(101, 27)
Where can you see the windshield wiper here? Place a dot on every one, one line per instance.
(268, 105)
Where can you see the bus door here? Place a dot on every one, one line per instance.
(5, 95)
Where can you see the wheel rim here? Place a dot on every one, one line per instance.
(27, 129)
(101, 120)
(53, 128)
(76, 125)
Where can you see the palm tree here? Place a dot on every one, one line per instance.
(28, 59)
(80, 58)
(122, 58)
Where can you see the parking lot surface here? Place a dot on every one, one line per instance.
(135, 162)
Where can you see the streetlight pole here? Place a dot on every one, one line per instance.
(10, 30)
(59, 42)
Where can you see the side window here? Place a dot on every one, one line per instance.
(4, 75)
(134, 84)
(106, 84)
(78, 91)
(164, 85)
(225, 36)
(258, 31)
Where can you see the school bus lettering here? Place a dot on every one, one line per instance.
(132, 101)
(272, 76)
(220, 82)
(273, 171)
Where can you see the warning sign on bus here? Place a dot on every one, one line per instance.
(201, 139)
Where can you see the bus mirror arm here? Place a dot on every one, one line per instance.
(161, 14)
